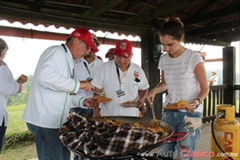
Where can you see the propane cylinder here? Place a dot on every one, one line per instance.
(227, 132)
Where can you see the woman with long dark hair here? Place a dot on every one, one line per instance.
(184, 77)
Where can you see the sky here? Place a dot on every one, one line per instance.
(23, 53)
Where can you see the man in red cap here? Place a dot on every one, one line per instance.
(123, 81)
(50, 97)
(85, 69)
(110, 54)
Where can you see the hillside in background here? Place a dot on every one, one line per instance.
(21, 98)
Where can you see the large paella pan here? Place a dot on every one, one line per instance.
(106, 137)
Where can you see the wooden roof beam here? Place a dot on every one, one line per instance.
(65, 21)
(147, 4)
(131, 5)
(214, 28)
(206, 6)
(100, 8)
(67, 4)
(165, 9)
(212, 15)
(37, 5)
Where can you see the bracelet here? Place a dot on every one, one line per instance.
(198, 102)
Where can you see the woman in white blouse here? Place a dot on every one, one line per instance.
(7, 87)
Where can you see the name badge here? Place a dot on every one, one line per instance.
(89, 79)
(120, 93)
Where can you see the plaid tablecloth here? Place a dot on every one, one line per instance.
(98, 139)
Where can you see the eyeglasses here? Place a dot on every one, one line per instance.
(88, 48)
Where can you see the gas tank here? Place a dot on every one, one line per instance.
(227, 132)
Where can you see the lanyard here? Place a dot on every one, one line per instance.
(118, 74)
(89, 71)
(71, 74)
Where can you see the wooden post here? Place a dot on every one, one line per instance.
(229, 73)
(150, 66)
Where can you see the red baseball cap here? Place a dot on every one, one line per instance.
(99, 57)
(110, 51)
(123, 48)
(85, 35)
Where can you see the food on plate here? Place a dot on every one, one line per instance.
(129, 104)
(103, 99)
(172, 105)
(178, 104)
(182, 103)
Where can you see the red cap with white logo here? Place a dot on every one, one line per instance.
(84, 35)
(110, 51)
(123, 48)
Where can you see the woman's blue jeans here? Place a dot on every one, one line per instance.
(182, 122)
(48, 144)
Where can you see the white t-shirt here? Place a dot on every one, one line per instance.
(81, 73)
(7, 87)
(180, 78)
(107, 79)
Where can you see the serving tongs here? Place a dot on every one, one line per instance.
(154, 121)
(102, 94)
(153, 112)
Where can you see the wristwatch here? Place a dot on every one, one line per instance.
(19, 80)
(197, 99)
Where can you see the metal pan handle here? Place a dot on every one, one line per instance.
(173, 137)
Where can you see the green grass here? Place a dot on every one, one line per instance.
(19, 143)
(15, 123)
